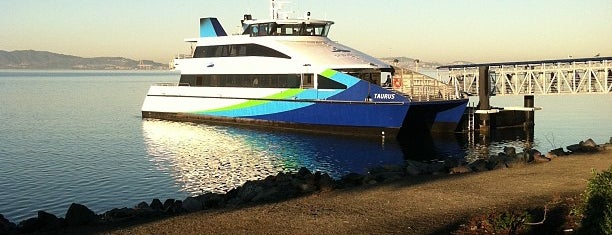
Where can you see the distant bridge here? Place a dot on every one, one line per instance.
(565, 76)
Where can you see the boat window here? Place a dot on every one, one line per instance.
(237, 50)
(242, 50)
(218, 51)
(254, 30)
(243, 80)
(198, 81)
(301, 29)
(327, 83)
(199, 52)
(259, 50)
(233, 51)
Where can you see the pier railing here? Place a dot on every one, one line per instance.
(567, 76)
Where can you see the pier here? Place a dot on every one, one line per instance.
(563, 76)
(527, 78)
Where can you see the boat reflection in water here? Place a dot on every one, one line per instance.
(206, 158)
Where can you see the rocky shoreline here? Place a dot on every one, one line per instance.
(281, 187)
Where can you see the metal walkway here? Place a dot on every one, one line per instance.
(566, 76)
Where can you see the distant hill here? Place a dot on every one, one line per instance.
(29, 59)
(406, 62)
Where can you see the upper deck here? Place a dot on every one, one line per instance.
(285, 27)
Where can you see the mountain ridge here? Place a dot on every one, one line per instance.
(32, 59)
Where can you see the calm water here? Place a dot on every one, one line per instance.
(75, 136)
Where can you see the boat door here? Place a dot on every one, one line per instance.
(307, 80)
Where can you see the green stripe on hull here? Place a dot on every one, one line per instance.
(251, 103)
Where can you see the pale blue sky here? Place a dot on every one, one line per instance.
(430, 30)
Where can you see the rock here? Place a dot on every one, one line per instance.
(44, 222)
(143, 206)
(449, 163)
(304, 187)
(177, 207)
(510, 151)
(78, 214)
(589, 143)
(513, 162)
(303, 172)
(211, 200)
(6, 226)
(157, 205)
(522, 156)
(479, 165)
(191, 204)
(168, 205)
(460, 170)
(589, 146)
(574, 148)
(144, 210)
(248, 190)
(282, 177)
(550, 155)
(231, 197)
(386, 168)
(539, 158)
(268, 195)
(385, 173)
(119, 214)
(388, 176)
(412, 170)
(558, 152)
(352, 179)
(531, 154)
(49, 221)
(417, 167)
(527, 156)
(496, 162)
(29, 225)
(435, 168)
(326, 183)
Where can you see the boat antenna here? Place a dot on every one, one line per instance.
(273, 10)
(276, 8)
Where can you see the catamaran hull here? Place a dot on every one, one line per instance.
(347, 118)
(434, 116)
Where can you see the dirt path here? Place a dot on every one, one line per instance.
(421, 205)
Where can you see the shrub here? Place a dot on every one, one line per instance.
(597, 210)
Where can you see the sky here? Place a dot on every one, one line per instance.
(430, 30)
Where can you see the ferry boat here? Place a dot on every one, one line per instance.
(285, 72)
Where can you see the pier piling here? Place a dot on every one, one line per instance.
(483, 98)
(528, 101)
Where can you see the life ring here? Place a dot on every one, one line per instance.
(397, 83)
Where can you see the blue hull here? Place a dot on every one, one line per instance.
(434, 116)
(359, 118)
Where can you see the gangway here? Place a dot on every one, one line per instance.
(564, 76)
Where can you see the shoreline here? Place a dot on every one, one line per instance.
(419, 205)
(423, 203)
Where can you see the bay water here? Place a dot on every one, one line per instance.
(78, 136)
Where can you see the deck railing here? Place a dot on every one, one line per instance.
(420, 87)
